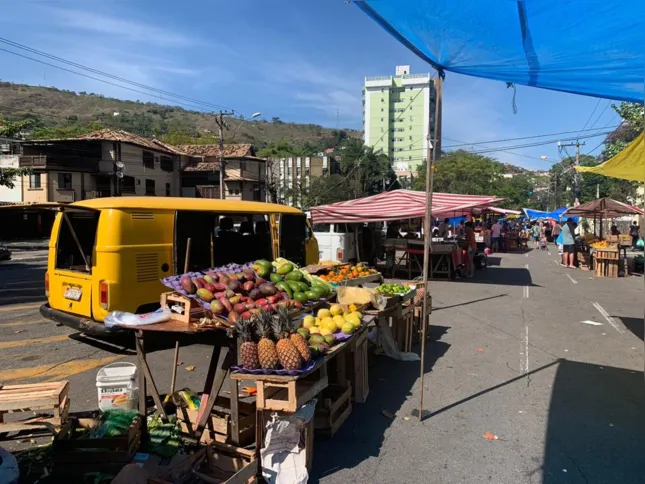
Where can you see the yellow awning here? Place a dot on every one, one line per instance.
(629, 164)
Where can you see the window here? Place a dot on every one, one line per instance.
(382, 130)
(297, 171)
(165, 163)
(382, 109)
(234, 191)
(127, 184)
(324, 171)
(167, 189)
(382, 100)
(409, 157)
(410, 138)
(307, 171)
(64, 181)
(411, 118)
(148, 159)
(34, 180)
(322, 228)
(150, 187)
(381, 118)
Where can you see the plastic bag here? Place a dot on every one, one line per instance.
(122, 318)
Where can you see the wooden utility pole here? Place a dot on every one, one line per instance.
(221, 124)
(576, 174)
(432, 144)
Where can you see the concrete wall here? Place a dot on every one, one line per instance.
(35, 195)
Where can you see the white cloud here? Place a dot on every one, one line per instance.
(120, 30)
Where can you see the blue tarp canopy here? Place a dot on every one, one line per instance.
(591, 47)
(535, 214)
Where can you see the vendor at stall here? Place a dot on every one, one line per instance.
(614, 230)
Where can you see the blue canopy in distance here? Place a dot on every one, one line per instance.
(591, 47)
(535, 214)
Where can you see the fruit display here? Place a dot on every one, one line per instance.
(332, 325)
(603, 244)
(298, 284)
(392, 289)
(348, 272)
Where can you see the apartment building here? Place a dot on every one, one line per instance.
(289, 177)
(398, 115)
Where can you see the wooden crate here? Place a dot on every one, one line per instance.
(215, 463)
(218, 427)
(357, 368)
(607, 254)
(334, 407)
(191, 310)
(76, 456)
(606, 268)
(284, 393)
(34, 398)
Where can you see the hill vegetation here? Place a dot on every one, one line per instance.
(61, 113)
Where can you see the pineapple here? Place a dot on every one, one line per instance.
(288, 354)
(248, 348)
(298, 341)
(266, 346)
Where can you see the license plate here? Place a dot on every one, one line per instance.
(73, 293)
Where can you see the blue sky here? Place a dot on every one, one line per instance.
(302, 61)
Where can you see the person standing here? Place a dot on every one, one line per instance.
(471, 244)
(443, 228)
(496, 232)
(535, 234)
(557, 228)
(569, 244)
(633, 231)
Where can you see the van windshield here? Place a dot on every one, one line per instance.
(76, 239)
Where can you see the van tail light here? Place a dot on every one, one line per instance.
(339, 255)
(47, 284)
(103, 294)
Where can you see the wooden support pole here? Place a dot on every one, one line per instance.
(431, 157)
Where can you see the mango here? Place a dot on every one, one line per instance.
(294, 276)
(188, 286)
(205, 295)
(217, 307)
(285, 269)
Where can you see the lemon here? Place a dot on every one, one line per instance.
(308, 321)
(358, 314)
(326, 332)
(336, 309)
(339, 321)
(317, 322)
(323, 313)
(314, 330)
(352, 308)
(348, 328)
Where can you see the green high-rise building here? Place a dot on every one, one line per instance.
(398, 112)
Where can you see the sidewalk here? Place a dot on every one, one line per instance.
(26, 244)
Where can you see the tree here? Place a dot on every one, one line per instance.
(9, 130)
(633, 116)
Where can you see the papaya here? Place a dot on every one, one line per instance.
(294, 276)
(284, 287)
(285, 269)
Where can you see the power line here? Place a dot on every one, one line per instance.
(525, 137)
(591, 115)
(601, 113)
(98, 79)
(106, 74)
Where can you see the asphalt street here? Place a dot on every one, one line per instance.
(546, 359)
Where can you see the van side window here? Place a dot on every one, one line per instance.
(292, 237)
(340, 228)
(322, 228)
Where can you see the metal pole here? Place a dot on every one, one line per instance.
(431, 157)
(221, 124)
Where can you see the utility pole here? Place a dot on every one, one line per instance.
(221, 124)
(576, 174)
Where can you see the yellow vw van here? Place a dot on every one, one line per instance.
(109, 254)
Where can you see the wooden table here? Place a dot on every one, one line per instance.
(441, 262)
(224, 356)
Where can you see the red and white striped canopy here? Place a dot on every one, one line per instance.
(399, 205)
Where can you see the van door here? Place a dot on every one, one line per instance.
(71, 264)
(293, 236)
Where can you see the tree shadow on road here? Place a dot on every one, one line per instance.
(21, 283)
(362, 435)
(439, 308)
(596, 426)
(503, 276)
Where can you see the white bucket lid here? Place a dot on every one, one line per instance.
(117, 372)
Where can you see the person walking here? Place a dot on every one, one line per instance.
(496, 232)
(557, 228)
(535, 234)
(471, 244)
(569, 244)
(633, 231)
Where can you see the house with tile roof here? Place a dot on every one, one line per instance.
(244, 172)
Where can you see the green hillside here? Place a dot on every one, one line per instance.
(59, 113)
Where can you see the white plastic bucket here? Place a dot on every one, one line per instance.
(117, 386)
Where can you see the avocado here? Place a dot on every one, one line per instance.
(320, 293)
(284, 287)
(295, 287)
(312, 295)
(300, 296)
(304, 287)
(319, 287)
(285, 269)
(275, 278)
(294, 276)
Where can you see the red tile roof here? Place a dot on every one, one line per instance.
(230, 151)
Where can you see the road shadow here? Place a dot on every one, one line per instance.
(596, 426)
(635, 325)
(361, 436)
(21, 283)
(439, 308)
(504, 276)
(493, 261)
